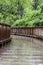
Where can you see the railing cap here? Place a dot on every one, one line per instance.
(5, 24)
(27, 27)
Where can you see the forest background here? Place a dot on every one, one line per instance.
(21, 13)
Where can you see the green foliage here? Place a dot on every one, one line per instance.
(35, 4)
(21, 13)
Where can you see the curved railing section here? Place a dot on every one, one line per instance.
(36, 32)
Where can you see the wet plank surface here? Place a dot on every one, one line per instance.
(22, 51)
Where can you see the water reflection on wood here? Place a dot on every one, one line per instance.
(22, 51)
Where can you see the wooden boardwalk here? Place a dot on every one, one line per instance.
(22, 51)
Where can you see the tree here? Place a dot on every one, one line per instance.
(20, 9)
(35, 4)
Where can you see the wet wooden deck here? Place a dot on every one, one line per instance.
(22, 51)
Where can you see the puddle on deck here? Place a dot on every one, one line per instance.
(22, 51)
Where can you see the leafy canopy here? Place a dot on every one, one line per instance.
(21, 13)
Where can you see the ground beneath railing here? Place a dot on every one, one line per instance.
(22, 51)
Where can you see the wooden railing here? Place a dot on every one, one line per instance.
(28, 31)
(5, 31)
